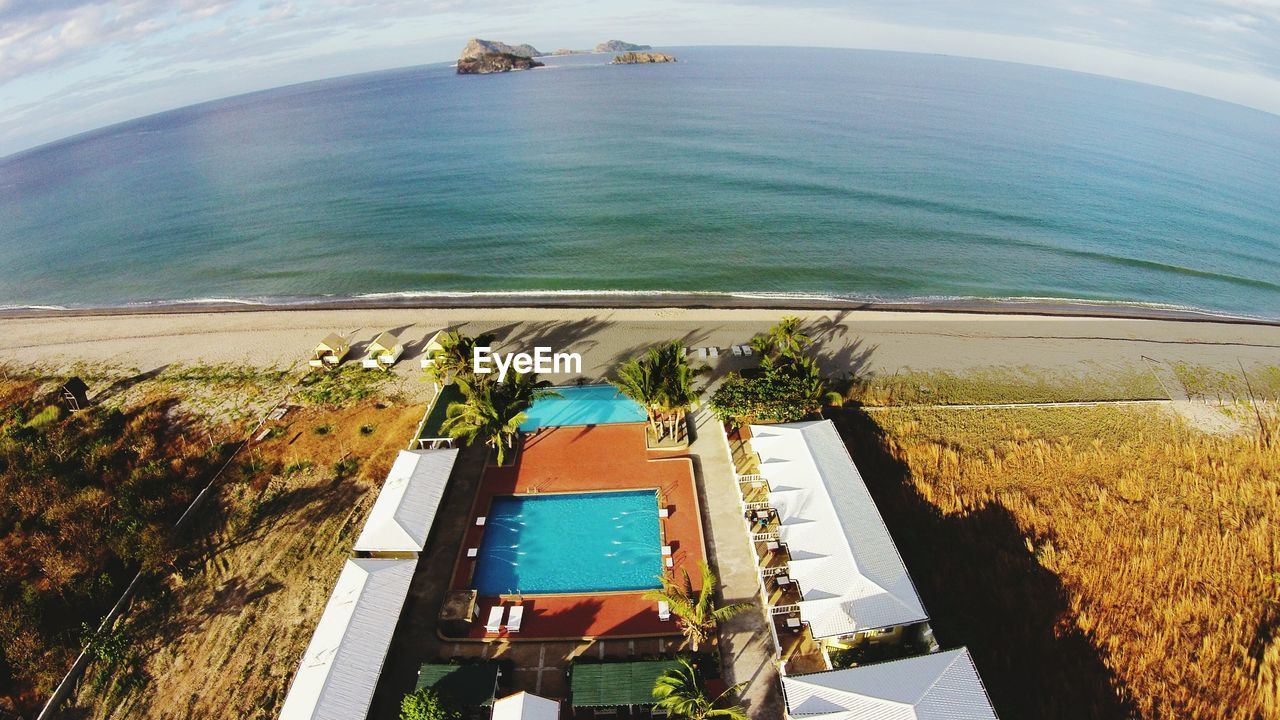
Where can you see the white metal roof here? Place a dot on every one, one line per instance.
(525, 706)
(406, 506)
(340, 668)
(941, 686)
(850, 574)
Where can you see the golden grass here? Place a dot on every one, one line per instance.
(1163, 540)
(1007, 385)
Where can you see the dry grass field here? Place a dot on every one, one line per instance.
(219, 632)
(1099, 562)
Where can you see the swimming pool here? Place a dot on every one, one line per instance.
(570, 543)
(583, 405)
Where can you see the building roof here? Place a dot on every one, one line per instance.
(470, 686)
(850, 573)
(340, 668)
(526, 706)
(332, 342)
(941, 686)
(616, 684)
(385, 342)
(406, 506)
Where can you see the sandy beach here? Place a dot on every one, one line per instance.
(880, 341)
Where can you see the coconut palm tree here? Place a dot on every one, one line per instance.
(680, 692)
(455, 357)
(637, 381)
(662, 381)
(492, 412)
(696, 610)
(789, 340)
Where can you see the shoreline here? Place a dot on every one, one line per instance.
(626, 300)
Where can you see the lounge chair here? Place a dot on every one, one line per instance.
(513, 621)
(664, 611)
(666, 549)
(713, 352)
(737, 350)
(702, 353)
(495, 619)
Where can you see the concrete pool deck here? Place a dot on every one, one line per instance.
(589, 459)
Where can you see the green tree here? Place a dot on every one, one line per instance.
(680, 692)
(696, 610)
(455, 357)
(784, 341)
(492, 412)
(662, 381)
(427, 704)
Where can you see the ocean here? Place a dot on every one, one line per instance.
(889, 177)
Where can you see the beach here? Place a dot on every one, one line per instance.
(855, 341)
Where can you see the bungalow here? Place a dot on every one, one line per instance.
(431, 348)
(828, 546)
(383, 352)
(340, 668)
(401, 517)
(940, 686)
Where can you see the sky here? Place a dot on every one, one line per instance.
(68, 66)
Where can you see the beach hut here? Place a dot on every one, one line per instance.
(431, 348)
(384, 351)
(330, 351)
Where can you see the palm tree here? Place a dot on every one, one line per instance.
(493, 412)
(455, 357)
(679, 691)
(696, 609)
(636, 380)
(661, 380)
(787, 339)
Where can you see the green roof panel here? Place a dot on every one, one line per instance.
(616, 684)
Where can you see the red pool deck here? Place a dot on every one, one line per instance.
(595, 458)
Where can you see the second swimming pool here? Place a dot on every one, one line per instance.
(570, 543)
(583, 405)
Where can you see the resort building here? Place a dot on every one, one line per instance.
(340, 668)
(939, 686)
(401, 517)
(829, 568)
(330, 351)
(383, 352)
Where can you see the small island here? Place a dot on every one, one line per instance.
(613, 46)
(481, 57)
(641, 58)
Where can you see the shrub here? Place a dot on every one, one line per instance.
(427, 704)
(770, 397)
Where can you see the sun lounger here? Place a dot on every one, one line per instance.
(513, 621)
(664, 611)
(713, 352)
(666, 549)
(737, 350)
(664, 512)
(671, 562)
(702, 353)
(746, 350)
(495, 619)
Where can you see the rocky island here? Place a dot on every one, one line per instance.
(641, 58)
(481, 57)
(619, 46)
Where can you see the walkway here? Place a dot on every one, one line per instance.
(746, 646)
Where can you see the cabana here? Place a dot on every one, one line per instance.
(430, 348)
(526, 706)
(616, 684)
(383, 352)
(401, 517)
(340, 669)
(940, 686)
(330, 351)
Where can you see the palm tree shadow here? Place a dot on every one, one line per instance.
(985, 590)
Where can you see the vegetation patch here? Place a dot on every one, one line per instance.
(995, 385)
(1099, 562)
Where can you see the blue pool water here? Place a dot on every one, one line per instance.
(583, 405)
(570, 543)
